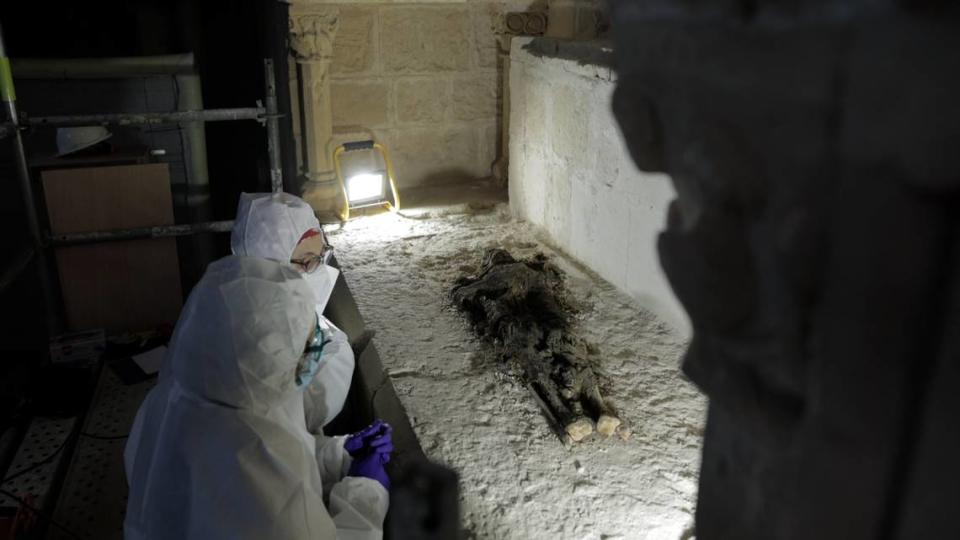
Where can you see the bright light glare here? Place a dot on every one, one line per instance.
(362, 187)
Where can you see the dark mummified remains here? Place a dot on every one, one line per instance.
(518, 306)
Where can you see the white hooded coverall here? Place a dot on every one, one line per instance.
(219, 448)
(270, 225)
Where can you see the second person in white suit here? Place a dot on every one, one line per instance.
(219, 448)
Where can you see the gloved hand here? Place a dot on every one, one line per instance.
(370, 466)
(375, 438)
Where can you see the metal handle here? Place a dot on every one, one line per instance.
(358, 145)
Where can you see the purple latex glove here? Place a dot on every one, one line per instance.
(381, 446)
(370, 466)
(355, 443)
(382, 443)
(374, 438)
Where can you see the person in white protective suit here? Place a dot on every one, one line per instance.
(283, 228)
(219, 448)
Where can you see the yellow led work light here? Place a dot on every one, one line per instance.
(366, 188)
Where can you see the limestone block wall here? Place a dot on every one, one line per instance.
(424, 78)
(570, 173)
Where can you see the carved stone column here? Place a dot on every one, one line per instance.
(311, 41)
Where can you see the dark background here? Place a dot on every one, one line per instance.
(229, 41)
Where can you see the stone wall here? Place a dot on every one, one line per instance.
(814, 244)
(571, 173)
(424, 79)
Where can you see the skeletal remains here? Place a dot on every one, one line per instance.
(519, 307)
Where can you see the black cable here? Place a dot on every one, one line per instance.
(43, 462)
(105, 437)
(53, 454)
(40, 513)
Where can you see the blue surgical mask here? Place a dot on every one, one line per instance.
(312, 356)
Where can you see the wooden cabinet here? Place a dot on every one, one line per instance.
(128, 285)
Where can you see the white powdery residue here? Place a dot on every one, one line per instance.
(517, 480)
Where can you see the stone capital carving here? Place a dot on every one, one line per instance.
(311, 35)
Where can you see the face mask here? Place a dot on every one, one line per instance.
(321, 281)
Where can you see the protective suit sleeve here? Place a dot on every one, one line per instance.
(358, 507)
(333, 460)
(133, 442)
(271, 495)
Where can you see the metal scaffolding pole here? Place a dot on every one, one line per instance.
(273, 127)
(19, 264)
(267, 116)
(132, 119)
(160, 231)
(9, 97)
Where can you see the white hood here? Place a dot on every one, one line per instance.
(270, 225)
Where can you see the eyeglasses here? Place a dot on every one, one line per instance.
(309, 265)
(317, 341)
(311, 356)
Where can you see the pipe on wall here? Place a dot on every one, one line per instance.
(199, 249)
(103, 68)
